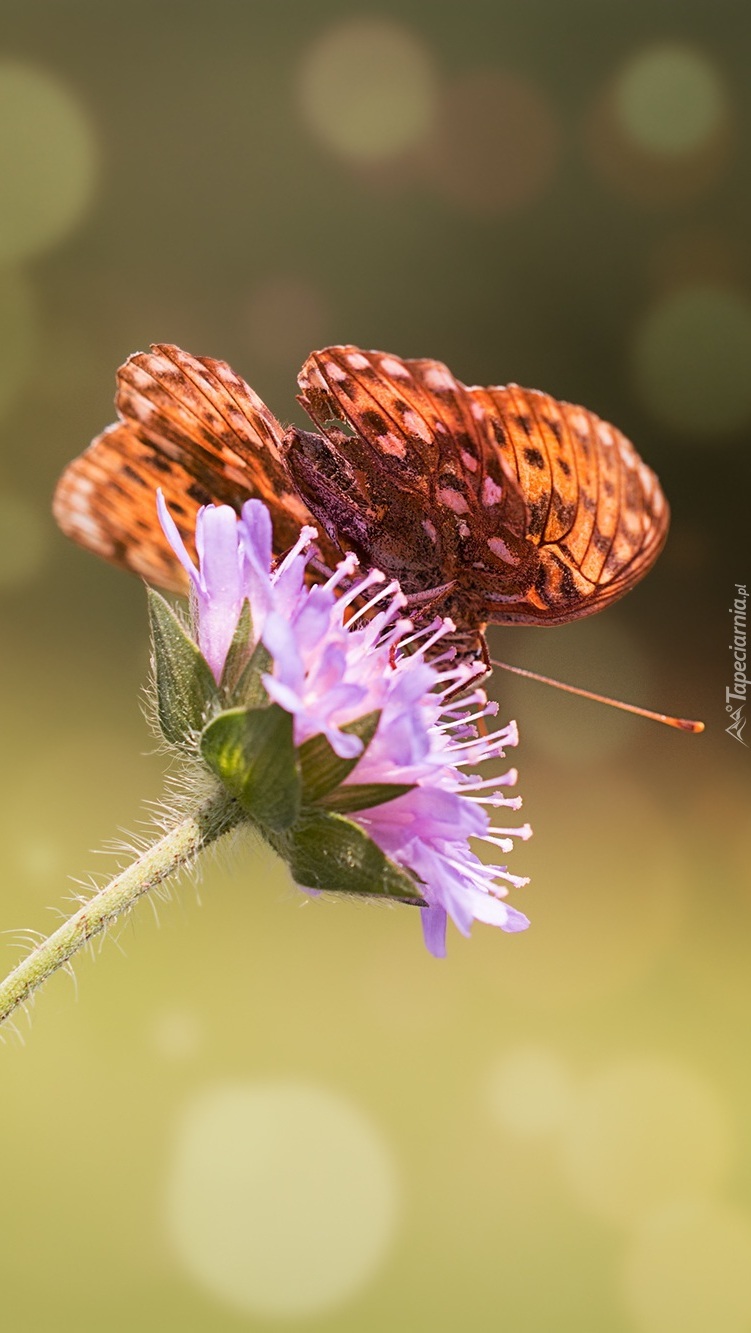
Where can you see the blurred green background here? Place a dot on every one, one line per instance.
(261, 1109)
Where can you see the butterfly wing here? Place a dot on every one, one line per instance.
(193, 427)
(105, 501)
(595, 512)
(535, 511)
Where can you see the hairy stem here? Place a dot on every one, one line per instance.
(174, 850)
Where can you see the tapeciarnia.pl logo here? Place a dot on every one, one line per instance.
(737, 693)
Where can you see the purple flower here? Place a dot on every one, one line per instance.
(234, 563)
(333, 665)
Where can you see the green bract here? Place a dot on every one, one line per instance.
(185, 687)
(252, 751)
(327, 851)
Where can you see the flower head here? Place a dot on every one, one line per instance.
(377, 720)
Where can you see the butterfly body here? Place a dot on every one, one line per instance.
(496, 504)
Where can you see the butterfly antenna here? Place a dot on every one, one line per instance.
(680, 723)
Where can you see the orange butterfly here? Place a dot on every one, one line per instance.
(494, 505)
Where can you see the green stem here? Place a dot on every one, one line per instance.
(179, 845)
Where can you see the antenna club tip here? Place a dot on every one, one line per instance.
(687, 725)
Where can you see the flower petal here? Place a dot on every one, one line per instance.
(434, 922)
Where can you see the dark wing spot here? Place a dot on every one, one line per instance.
(451, 481)
(569, 590)
(375, 422)
(498, 431)
(525, 422)
(564, 466)
(541, 584)
(632, 491)
(538, 512)
(134, 476)
(466, 442)
(534, 457)
(161, 464)
(563, 510)
(555, 426)
(559, 587)
(199, 494)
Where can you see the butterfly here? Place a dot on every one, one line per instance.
(497, 504)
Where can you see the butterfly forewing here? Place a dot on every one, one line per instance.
(536, 510)
(194, 428)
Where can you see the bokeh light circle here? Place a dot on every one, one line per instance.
(17, 334)
(688, 1270)
(23, 540)
(495, 143)
(610, 877)
(282, 1197)
(530, 1091)
(39, 858)
(644, 1132)
(691, 359)
(669, 99)
(367, 89)
(47, 160)
(176, 1033)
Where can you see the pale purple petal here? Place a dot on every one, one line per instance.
(434, 922)
(221, 596)
(256, 535)
(279, 638)
(169, 528)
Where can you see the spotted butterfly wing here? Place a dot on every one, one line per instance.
(519, 508)
(193, 427)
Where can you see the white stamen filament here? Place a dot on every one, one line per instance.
(388, 591)
(490, 710)
(420, 633)
(494, 799)
(307, 534)
(524, 832)
(343, 570)
(438, 633)
(506, 780)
